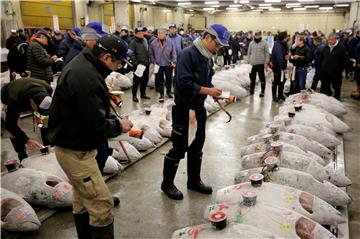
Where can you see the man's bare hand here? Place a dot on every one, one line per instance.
(126, 125)
(214, 92)
(33, 144)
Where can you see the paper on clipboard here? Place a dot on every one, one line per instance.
(156, 68)
(140, 70)
(293, 73)
(282, 76)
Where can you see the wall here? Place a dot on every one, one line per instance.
(282, 21)
(153, 16)
(198, 22)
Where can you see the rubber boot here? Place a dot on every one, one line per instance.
(106, 232)
(274, 89)
(252, 87)
(82, 225)
(161, 91)
(193, 168)
(169, 172)
(281, 91)
(19, 148)
(262, 93)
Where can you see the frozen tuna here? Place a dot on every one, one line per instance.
(142, 144)
(46, 163)
(38, 188)
(120, 155)
(290, 198)
(283, 222)
(232, 230)
(300, 180)
(17, 214)
(152, 134)
(117, 81)
(297, 162)
(112, 166)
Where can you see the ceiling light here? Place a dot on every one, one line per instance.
(274, 9)
(289, 5)
(299, 9)
(312, 6)
(215, 6)
(234, 5)
(272, 1)
(208, 9)
(326, 8)
(190, 10)
(244, 1)
(341, 5)
(136, 1)
(182, 0)
(184, 3)
(232, 8)
(305, 0)
(265, 5)
(214, 2)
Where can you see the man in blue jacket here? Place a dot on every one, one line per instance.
(279, 57)
(319, 46)
(192, 84)
(176, 39)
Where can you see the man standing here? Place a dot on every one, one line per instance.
(163, 55)
(300, 57)
(141, 62)
(176, 39)
(80, 121)
(333, 59)
(279, 57)
(258, 57)
(38, 60)
(193, 76)
(23, 95)
(319, 46)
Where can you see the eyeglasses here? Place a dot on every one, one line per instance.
(217, 43)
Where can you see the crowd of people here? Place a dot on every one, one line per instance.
(76, 117)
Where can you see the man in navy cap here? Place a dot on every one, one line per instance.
(80, 122)
(23, 95)
(192, 85)
(176, 39)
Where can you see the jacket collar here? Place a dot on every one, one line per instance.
(101, 67)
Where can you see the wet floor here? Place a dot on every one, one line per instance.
(145, 212)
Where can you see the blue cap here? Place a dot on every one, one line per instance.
(220, 32)
(99, 28)
(77, 31)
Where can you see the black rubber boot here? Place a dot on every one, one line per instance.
(274, 89)
(116, 200)
(82, 225)
(252, 87)
(281, 91)
(106, 232)
(262, 93)
(169, 172)
(193, 168)
(161, 91)
(19, 148)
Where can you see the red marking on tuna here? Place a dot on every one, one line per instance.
(19, 216)
(194, 232)
(236, 187)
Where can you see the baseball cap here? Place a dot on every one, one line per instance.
(89, 34)
(44, 33)
(13, 31)
(257, 32)
(99, 27)
(116, 46)
(172, 25)
(139, 29)
(57, 32)
(220, 32)
(42, 100)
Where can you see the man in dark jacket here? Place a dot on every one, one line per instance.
(80, 121)
(192, 84)
(333, 59)
(38, 60)
(319, 46)
(356, 94)
(68, 41)
(141, 62)
(279, 57)
(301, 57)
(18, 95)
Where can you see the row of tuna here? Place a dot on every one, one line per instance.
(40, 181)
(298, 188)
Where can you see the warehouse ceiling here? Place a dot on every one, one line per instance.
(213, 6)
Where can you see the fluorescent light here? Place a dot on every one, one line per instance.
(184, 3)
(234, 5)
(232, 8)
(244, 1)
(215, 6)
(272, 1)
(341, 5)
(290, 5)
(208, 9)
(274, 9)
(299, 9)
(214, 2)
(190, 10)
(305, 0)
(136, 0)
(265, 5)
(182, 0)
(326, 8)
(312, 6)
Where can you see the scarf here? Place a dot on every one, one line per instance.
(202, 49)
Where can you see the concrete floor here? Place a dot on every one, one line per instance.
(145, 212)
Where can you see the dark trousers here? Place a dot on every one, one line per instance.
(235, 56)
(300, 79)
(103, 152)
(315, 79)
(278, 85)
(159, 79)
(227, 59)
(20, 148)
(257, 69)
(334, 81)
(180, 133)
(357, 76)
(142, 81)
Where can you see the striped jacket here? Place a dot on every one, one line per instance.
(258, 53)
(39, 62)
